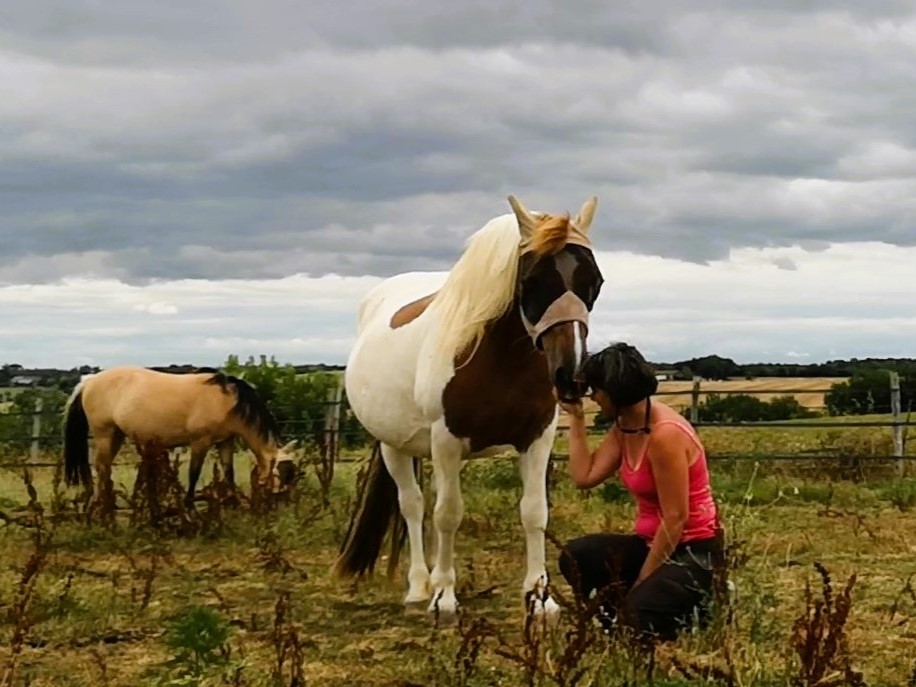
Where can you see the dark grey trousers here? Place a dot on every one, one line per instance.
(662, 604)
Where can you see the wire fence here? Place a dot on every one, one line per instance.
(34, 446)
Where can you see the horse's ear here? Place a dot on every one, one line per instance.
(586, 214)
(526, 223)
(289, 446)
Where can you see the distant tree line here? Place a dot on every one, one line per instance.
(716, 367)
(713, 367)
(298, 394)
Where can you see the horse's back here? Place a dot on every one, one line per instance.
(150, 405)
(384, 299)
(382, 367)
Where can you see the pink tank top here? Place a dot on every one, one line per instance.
(702, 520)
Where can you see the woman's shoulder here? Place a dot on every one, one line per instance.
(668, 420)
(674, 430)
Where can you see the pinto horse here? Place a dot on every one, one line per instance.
(198, 410)
(471, 369)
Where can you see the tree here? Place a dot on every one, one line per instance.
(868, 391)
(299, 402)
(711, 367)
(746, 408)
(16, 424)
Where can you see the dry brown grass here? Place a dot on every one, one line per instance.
(93, 612)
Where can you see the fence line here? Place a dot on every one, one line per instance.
(561, 457)
(331, 435)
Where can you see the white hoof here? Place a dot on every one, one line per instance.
(443, 609)
(544, 614)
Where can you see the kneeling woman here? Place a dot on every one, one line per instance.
(659, 578)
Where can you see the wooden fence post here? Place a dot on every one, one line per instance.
(36, 430)
(332, 421)
(695, 400)
(897, 429)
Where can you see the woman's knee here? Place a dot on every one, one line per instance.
(661, 607)
(570, 561)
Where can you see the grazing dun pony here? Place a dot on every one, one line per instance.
(198, 410)
(470, 369)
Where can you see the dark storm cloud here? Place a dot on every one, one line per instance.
(166, 140)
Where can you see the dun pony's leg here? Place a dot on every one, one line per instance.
(266, 470)
(533, 510)
(198, 454)
(448, 453)
(410, 499)
(105, 446)
(226, 452)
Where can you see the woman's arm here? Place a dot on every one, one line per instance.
(668, 456)
(586, 468)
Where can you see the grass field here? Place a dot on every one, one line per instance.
(120, 606)
(677, 394)
(811, 390)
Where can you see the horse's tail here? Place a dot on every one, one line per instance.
(376, 513)
(76, 441)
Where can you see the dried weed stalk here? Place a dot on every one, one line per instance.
(289, 663)
(563, 656)
(906, 591)
(159, 498)
(18, 613)
(271, 555)
(143, 577)
(158, 495)
(102, 664)
(819, 637)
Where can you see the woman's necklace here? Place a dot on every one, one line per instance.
(645, 428)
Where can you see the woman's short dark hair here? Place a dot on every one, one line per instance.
(622, 373)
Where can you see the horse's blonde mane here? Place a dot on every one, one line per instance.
(481, 286)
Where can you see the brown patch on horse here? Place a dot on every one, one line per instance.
(408, 313)
(503, 394)
(550, 235)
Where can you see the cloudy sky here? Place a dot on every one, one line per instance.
(181, 181)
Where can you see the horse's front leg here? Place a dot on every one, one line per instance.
(410, 500)
(533, 510)
(265, 472)
(226, 456)
(447, 452)
(199, 452)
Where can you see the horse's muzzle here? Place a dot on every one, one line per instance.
(569, 389)
(564, 347)
(286, 472)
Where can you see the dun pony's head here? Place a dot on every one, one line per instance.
(558, 282)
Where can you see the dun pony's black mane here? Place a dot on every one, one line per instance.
(249, 407)
(184, 369)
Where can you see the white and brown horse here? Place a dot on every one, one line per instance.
(197, 410)
(470, 369)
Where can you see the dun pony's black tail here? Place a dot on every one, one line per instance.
(377, 512)
(76, 443)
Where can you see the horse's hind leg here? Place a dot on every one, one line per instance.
(105, 447)
(410, 500)
(533, 511)
(448, 453)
